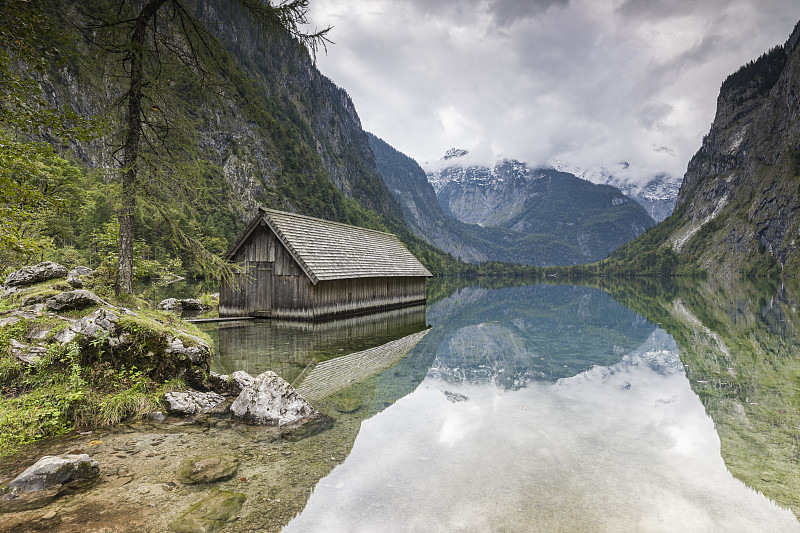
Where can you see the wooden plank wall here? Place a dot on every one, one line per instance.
(264, 253)
(292, 293)
(344, 296)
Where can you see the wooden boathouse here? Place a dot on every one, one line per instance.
(294, 266)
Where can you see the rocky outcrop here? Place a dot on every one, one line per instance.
(34, 274)
(46, 479)
(739, 200)
(271, 401)
(76, 299)
(107, 335)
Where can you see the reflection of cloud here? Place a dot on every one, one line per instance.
(459, 424)
(584, 456)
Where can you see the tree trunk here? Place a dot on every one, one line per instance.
(130, 157)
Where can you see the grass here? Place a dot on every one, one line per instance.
(85, 384)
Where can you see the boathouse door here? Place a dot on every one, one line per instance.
(262, 288)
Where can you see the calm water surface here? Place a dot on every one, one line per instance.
(550, 408)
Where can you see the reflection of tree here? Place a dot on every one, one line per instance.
(738, 342)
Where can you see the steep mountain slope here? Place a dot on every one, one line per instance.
(556, 218)
(407, 181)
(262, 127)
(657, 195)
(737, 208)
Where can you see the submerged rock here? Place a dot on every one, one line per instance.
(271, 401)
(210, 514)
(46, 479)
(207, 469)
(192, 402)
(33, 274)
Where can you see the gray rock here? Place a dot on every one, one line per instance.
(46, 479)
(81, 271)
(195, 354)
(76, 275)
(74, 300)
(230, 385)
(207, 469)
(192, 402)
(33, 274)
(185, 304)
(100, 324)
(53, 470)
(16, 316)
(34, 299)
(9, 291)
(192, 304)
(169, 304)
(29, 355)
(10, 320)
(271, 401)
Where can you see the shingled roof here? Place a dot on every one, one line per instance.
(329, 250)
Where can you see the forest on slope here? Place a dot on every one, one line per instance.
(736, 212)
(245, 120)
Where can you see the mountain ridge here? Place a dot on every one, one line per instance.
(736, 211)
(491, 217)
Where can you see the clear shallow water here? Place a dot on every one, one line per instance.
(539, 408)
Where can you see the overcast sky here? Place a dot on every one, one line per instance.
(584, 82)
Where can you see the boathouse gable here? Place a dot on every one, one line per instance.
(293, 266)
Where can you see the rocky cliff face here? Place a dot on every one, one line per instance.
(281, 134)
(424, 216)
(738, 204)
(555, 217)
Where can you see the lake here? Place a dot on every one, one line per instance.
(639, 406)
(553, 408)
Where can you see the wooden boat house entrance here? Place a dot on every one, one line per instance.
(294, 266)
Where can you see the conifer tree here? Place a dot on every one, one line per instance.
(145, 37)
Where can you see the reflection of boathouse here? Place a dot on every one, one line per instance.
(295, 266)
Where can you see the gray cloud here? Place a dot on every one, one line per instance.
(508, 12)
(586, 82)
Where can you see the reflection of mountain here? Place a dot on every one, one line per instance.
(541, 332)
(658, 353)
(739, 343)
